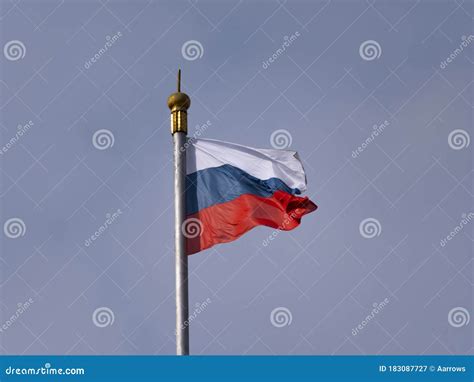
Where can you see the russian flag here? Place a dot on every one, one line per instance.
(231, 189)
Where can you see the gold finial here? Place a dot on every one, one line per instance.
(179, 104)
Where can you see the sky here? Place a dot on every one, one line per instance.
(376, 97)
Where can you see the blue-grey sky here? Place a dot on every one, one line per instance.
(384, 266)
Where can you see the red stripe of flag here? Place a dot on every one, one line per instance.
(225, 222)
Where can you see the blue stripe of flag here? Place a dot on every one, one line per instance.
(205, 188)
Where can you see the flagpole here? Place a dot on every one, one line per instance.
(179, 103)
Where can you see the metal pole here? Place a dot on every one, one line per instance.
(179, 103)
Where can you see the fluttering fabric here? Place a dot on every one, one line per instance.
(231, 189)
